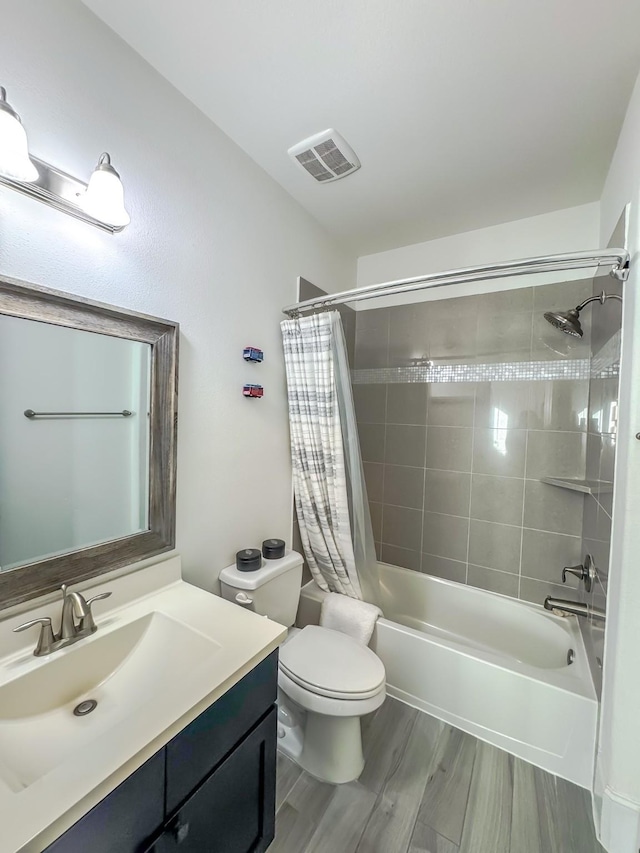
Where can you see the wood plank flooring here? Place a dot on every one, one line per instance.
(429, 788)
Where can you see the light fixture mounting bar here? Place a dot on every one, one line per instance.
(59, 190)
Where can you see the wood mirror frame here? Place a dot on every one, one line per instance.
(32, 302)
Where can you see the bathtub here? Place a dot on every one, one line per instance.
(492, 666)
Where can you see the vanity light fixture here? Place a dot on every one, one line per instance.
(14, 150)
(104, 198)
(100, 202)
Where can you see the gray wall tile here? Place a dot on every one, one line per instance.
(372, 338)
(561, 296)
(555, 454)
(609, 404)
(372, 442)
(451, 403)
(405, 445)
(452, 331)
(544, 555)
(499, 452)
(376, 519)
(596, 400)
(492, 580)
(401, 557)
(516, 299)
(495, 546)
(407, 404)
(545, 434)
(551, 508)
(445, 536)
(536, 591)
(449, 448)
(503, 337)
(403, 486)
(440, 567)
(608, 319)
(607, 457)
(402, 527)
(408, 333)
(502, 404)
(373, 475)
(370, 402)
(447, 492)
(594, 449)
(497, 499)
(559, 405)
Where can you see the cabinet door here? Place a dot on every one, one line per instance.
(233, 811)
(125, 819)
(193, 754)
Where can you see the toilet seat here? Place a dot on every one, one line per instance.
(332, 664)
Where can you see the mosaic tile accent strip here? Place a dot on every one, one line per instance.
(518, 371)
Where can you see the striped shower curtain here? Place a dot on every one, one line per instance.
(316, 364)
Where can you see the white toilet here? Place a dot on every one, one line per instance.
(327, 680)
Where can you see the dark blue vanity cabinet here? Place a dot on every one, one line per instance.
(209, 790)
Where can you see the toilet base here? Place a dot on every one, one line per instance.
(332, 748)
(328, 748)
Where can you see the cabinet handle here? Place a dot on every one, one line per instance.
(180, 831)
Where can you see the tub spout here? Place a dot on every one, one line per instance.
(562, 607)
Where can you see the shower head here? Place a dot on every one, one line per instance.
(569, 321)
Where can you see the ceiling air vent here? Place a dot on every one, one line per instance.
(326, 156)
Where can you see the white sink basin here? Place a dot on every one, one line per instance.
(121, 669)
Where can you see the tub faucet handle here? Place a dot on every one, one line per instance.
(578, 571)
(586, 572)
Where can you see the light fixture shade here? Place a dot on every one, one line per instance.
(104, 198)
(14, 150)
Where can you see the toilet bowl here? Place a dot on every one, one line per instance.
(332, 681)
(327, 680)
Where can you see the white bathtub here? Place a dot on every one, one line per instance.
(490, 665)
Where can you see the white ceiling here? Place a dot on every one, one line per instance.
(464, 113)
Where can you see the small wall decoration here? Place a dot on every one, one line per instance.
(253, 355)
(253, 391)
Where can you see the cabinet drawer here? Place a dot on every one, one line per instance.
(193, 753)
(125, 819)
(233, 811)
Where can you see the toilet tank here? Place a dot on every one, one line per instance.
(273, 590)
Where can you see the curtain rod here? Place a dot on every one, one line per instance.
(617, 259)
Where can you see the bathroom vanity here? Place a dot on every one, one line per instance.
(212, 787)
(179, 751)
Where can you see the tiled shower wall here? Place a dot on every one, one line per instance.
(463, 405)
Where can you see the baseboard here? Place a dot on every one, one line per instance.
(619, 823)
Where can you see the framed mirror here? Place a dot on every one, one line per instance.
(88, 416)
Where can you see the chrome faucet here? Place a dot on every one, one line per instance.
(562, 607)
(585, 572)
(74, 607)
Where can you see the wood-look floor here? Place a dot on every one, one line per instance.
(430, 788)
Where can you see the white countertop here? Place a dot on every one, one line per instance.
(32, 817)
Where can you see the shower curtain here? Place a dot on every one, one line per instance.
(330, 493)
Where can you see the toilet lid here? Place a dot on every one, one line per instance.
(331, 663)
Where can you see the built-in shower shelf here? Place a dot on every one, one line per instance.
(587, 487)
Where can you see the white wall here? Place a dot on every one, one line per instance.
(618, 764)
(572, 230)
(214, 243)
(623, 178)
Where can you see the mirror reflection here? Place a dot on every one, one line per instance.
(74, 439)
